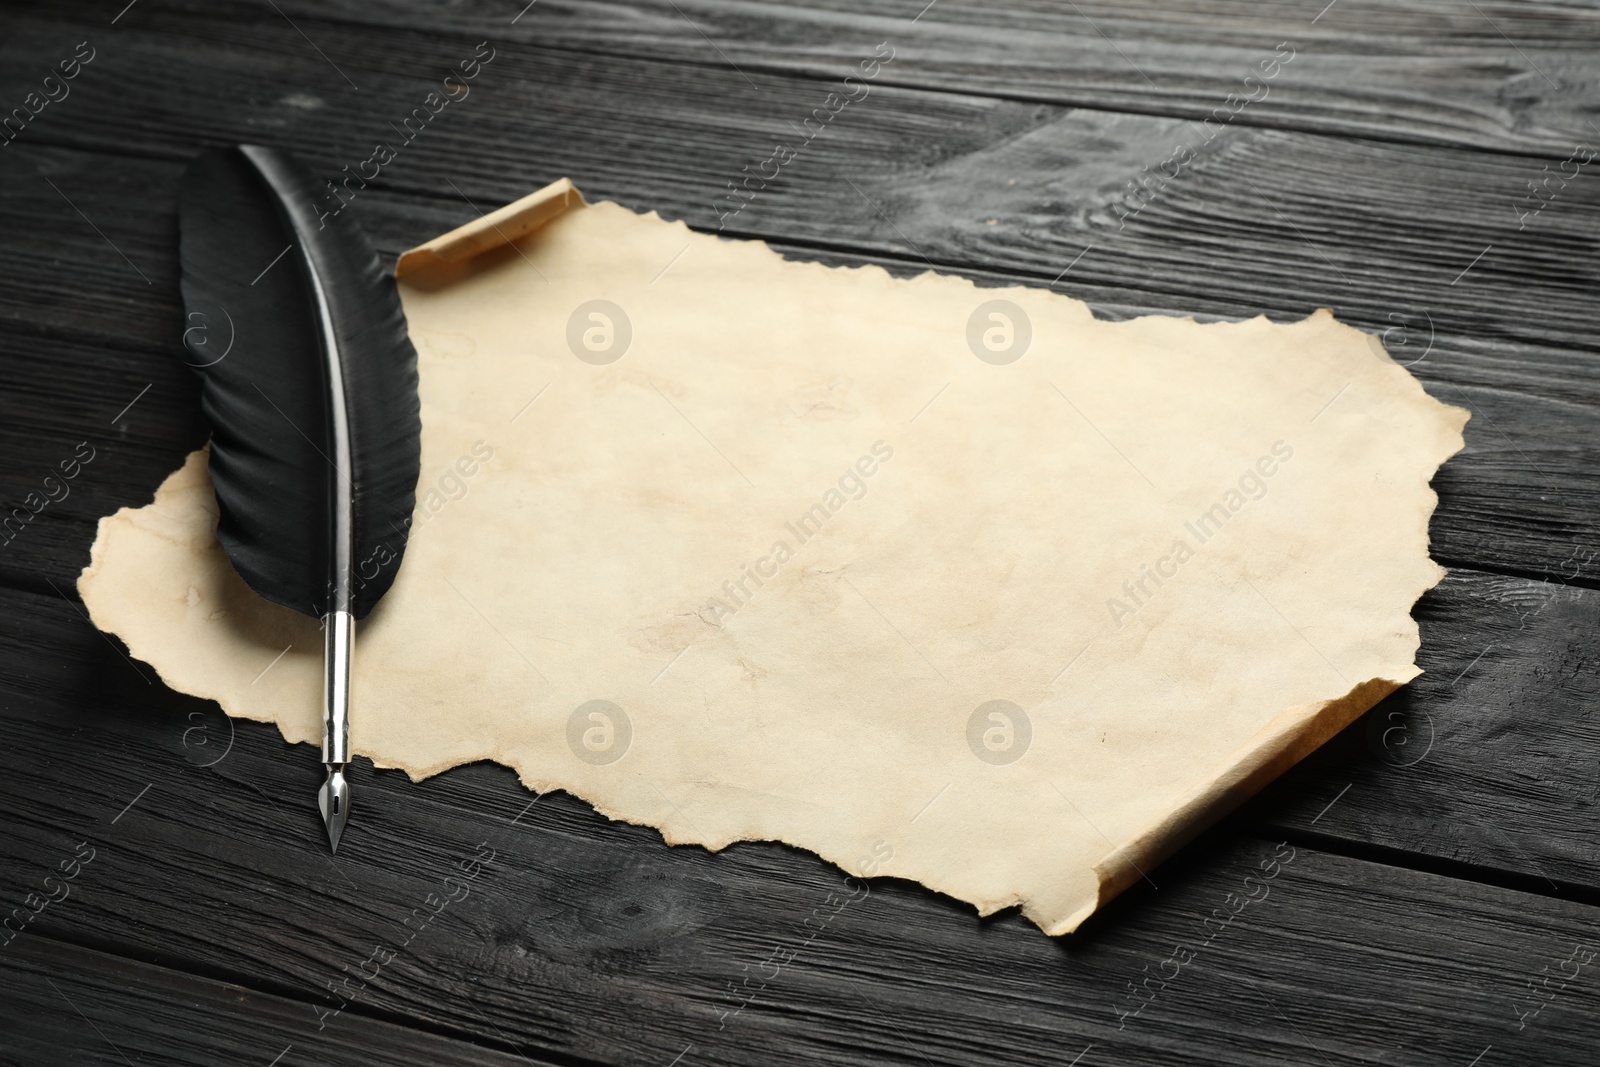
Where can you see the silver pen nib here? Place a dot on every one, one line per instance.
(334, 800)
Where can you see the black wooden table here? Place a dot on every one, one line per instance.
(1423, 167)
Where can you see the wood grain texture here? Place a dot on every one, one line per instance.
(1444, 854)
(1281, 221)
(584, 940)
(1534, 407)
(1497, 75)
(62, 1002)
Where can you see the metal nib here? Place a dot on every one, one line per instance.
(334, 800)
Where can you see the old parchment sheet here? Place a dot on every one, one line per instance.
(952, 584)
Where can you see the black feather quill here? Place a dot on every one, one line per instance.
(309, 381)
(259, 269)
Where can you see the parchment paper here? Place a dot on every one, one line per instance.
(766, 550)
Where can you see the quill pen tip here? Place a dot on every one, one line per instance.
(334, 801)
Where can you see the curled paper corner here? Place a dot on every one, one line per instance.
(1280, 744)
(486, 240)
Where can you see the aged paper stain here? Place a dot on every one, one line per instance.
(952, 584)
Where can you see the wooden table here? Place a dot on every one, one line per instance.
(1423, 167)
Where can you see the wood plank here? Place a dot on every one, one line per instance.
(1511, 462)
(584, 940)
(113, 417)
(631, 944)
(628, 948)
(1381, 232)
(1500, 75)
(64, 1003)
(1252, 213)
